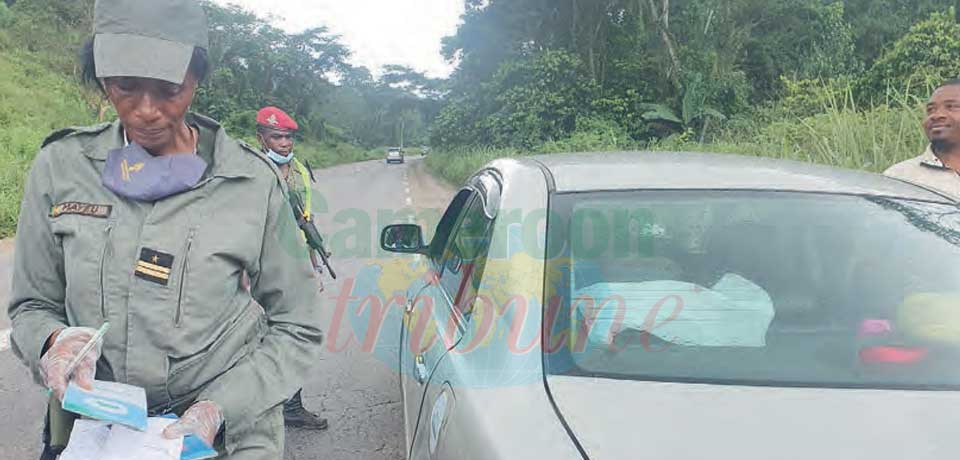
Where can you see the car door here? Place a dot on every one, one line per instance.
(460, 271)
(420, 317)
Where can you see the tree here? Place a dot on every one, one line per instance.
(926, 56)
(876, 24)
(256, 64)
(527, 102)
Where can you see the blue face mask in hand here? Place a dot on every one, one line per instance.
(278, 158)
(131, 172)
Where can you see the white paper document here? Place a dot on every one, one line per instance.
(97, 440)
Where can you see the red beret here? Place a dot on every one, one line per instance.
(272, 117)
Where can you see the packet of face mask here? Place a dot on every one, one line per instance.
(110, 402)
(194, 448)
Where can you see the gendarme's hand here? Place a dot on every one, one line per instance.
(203, 419)
(55, 363)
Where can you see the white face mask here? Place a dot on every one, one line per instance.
(278, 158)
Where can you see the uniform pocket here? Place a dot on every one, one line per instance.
(101, 272)
(86, 249)
(184, 267)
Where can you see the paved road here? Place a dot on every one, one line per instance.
(21, 401)
(357, 392)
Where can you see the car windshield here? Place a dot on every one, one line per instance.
(755, 288)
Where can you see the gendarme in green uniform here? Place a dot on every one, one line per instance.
(188, 331)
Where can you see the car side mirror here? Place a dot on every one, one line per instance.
(403, 239)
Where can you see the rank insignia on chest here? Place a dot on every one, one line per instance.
(154, 266)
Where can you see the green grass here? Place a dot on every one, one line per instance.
(33, 102)
(456, 166)
(327, 154)
(842, 135)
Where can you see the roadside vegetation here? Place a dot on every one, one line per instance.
(33, 103)
(254, 64)
(840, 83)
(840, 133)
(827, 81)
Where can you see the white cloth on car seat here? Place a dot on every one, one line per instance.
(735, 312)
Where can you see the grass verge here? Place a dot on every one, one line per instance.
(841, 135)
(33, 103)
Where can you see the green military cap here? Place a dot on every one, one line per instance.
(147, 38)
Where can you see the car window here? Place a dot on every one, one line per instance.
(465, 256)
(450, 217)
(758, 287)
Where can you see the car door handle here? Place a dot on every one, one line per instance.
(420, 370)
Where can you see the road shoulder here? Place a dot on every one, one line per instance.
(429, 191)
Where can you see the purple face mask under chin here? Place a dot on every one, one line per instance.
(131, 172)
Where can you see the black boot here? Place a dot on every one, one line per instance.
(295, 415)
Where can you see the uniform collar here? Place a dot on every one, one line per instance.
(211, 147)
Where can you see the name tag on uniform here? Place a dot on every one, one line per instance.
(101, 211)
(154, 266)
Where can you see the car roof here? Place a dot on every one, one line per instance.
(580, 172)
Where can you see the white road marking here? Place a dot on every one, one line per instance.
(407, 190)
(409, 202)
(4, 340)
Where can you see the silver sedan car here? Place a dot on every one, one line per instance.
(683, 306)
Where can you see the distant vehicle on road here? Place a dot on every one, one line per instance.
(682, 306)
(394, 155)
